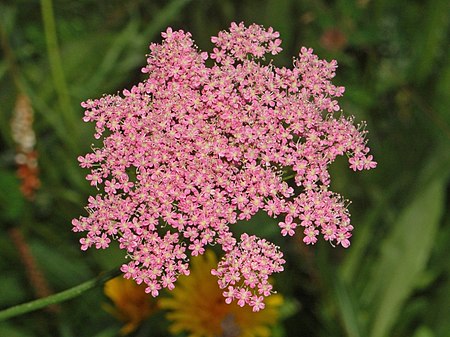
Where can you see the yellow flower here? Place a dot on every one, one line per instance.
(197, 306)
(131, 304)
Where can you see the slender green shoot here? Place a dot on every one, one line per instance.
(59, 297)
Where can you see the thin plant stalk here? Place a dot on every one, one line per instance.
(59, 297)
(56, 67)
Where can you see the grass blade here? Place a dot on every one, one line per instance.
(405, 252)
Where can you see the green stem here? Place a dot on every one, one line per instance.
(59, 297)
(56, 67)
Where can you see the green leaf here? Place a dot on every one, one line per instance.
(354, 259)
(61, 269)
(407, 248)
(431, 38)
(112, 55)
(347, 308)
(131, 41)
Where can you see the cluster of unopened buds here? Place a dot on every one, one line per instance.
(194, 149)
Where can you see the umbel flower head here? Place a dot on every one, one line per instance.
(201, 311)
(193, 149)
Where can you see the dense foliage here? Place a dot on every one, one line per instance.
(393, 61)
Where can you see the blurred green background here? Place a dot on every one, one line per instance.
(393, 59)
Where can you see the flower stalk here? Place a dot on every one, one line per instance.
(59, 297)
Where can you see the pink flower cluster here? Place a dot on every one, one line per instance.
(194, 149)
(250, 263)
